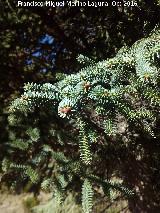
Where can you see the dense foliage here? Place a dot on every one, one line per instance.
(92, 102)
(36, 43)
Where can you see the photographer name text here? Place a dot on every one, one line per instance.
(76, 3)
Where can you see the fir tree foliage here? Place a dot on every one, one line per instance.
(87, 196)
(126, 85)
(84, 143)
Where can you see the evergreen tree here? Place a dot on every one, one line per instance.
(98, 37)
(90, 104)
